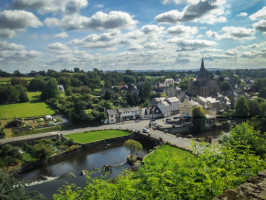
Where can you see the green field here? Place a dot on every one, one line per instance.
(7, 80)
(33, 108)
(96, 135)
(165, 152)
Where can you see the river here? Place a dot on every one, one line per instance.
(47, 180)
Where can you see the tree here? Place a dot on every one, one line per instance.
(254, 108)
(2, 133)
(19, 81)
(263, 108)
(242, 109)
(13, 189)
(37, 84)
(133, 146)
(132, 99)
(107, 84)
(107, 95)
(51, 90)
(198, 119)
(225, 86)
(262, 93)
(9, 155)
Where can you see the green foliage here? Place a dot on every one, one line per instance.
(133, 146)
(50, 90)
(107, 95)
(13, 189)
(263, 108)
(13, 94)
(244, 137)
(262, 93)
(165, 177)
(9, 155)
(242, 109)
(225, 86)
(254, 108)
(198, 119)
(42, 149)
(2, 133)
(260, 83)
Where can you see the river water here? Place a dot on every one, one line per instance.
(47, 180)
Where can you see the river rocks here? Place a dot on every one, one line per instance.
(67, 175)
(253, 189)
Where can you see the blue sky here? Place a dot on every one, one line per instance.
(137, 34)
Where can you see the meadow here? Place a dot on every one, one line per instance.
(7, 80)
(166, 151)
(93, 136)
(33, 108)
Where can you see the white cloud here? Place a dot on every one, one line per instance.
(14, 53)
(174, 1)
(105, 40)
(231, 32)
(204, 11)
(6, 33)
(16, 20)
(98, 6)
(191, 45)
(260, 14)
(51, 22)
(182, 30)
(147, 29)
(51, 6)
(242, 14)
(260, 25)
(61, 35)
(98, 21)
(57, 46)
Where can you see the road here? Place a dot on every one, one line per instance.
(184, 143)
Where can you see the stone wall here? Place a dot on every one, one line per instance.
(253, 189)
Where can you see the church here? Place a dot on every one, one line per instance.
(203, 86)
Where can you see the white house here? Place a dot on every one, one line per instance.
(113, 116)
(169, 106)
(209, 103)
(129, 113)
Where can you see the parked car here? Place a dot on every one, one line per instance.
(146, 130)
(154, 124)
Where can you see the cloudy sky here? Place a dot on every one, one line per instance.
(136, 34)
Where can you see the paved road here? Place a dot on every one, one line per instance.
(137, 126)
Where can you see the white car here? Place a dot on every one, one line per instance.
(145, 130)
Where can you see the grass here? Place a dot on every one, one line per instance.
(165, 152)
(7, 80)
(96, 135)
(33, 108)
(26, 157)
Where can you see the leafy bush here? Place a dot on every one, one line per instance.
(200, 177)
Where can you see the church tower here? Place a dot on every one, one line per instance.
(203, 75)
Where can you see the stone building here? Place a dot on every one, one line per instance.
(203, 86)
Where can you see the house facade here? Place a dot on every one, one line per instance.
(186, 108)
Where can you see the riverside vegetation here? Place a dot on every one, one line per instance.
(203, 176)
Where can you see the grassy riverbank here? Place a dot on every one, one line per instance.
(166, 151)
(93, 136)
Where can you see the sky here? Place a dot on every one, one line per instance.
(39, 35)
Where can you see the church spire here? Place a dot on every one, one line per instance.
(202, 65)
